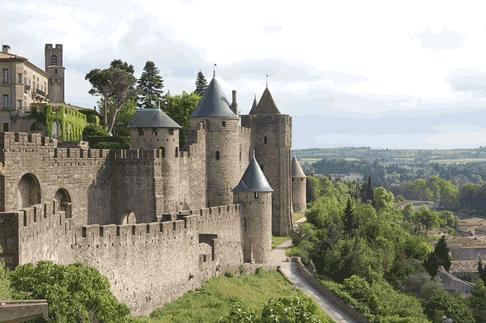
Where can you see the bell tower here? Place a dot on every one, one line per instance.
(54, 67)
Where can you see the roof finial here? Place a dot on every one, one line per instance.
(266, 82)
(253, 154)
(214, 71)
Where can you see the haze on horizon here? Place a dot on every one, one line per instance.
(382, 74)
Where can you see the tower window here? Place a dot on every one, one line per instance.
(217, 155)
(223, 123)
(177, 151)
(140, 131)
(163, 152)
(265, 140)
(171, 131)
(154, 131)
(53, 60)
(256, 195)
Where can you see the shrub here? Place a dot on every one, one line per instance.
(441, 303)
(75, 292)
(92, 130)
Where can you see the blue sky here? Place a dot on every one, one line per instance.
(384, 74)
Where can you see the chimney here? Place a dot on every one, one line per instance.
(234, 105)
(5, 49)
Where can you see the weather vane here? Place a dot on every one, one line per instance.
(266, 81)
(214, 71)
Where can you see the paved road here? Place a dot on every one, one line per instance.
(290, 271)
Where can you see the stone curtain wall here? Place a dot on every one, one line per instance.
(83, 173)
(147, 264)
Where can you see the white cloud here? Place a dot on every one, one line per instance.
(445, 39)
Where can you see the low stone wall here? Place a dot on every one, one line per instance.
(328, 293)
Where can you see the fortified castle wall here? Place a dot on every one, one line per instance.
(147, 264)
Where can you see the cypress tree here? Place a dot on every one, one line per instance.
(442, 252)
(348, 218)
(201, 84)
(150, 87)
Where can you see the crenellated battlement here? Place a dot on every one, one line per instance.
(15, 140)
(170, 226)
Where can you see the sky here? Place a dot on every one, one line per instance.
(381, 74)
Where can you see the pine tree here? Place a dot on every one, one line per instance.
(150, 87)
(201, 84)
(367, 192)
(348, 218)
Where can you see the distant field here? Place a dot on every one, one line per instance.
(462, 161)
(218, 295)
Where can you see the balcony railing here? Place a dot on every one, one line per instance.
(40, 93)
(26, 88)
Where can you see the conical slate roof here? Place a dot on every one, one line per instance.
(213, 103)
(266, 104)
(151, 118)
(253, 179)
(253, 106)
(296, 168)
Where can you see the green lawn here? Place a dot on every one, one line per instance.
(278, 240)
(217, 296)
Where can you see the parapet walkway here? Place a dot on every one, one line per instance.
(291, 272)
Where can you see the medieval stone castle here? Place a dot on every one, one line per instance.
(156, 219)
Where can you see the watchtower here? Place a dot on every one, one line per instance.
(54, 67)
(271, 137)
(298, 187)
(222, 136)
(153, 129)
(254, 195)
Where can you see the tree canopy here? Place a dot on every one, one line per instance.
(150, 87)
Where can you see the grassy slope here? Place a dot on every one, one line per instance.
(216, 297)
(278, 240)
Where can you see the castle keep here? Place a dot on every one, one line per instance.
(157, 219)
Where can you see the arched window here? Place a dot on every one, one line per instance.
(256, 195)
(163, 152)
(265, 140)
(177, 151)
(53, 60)
(217, 155)
(28, 191)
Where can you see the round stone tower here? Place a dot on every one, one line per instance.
(222, 137)
(298, 187)
(254, 195)
(153, 129)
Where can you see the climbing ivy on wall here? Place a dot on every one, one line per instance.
(71, 122)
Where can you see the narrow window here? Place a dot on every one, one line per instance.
(140, 131)
(240, 153)
(5, 126)
(265, 140)
(5, 75)
(19, 78)
(257, 195)
(163, 152)
(177, 151)
(293, 179)
(171, 131)
(154, 131)
(217, 155)
(223, 123)
(19, 104)
(53, 60)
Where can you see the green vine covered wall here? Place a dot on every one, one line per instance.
(68, 121)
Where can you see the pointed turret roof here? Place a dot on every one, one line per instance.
(253, 179)
(296, 168)
(266, 104)
(213, 103)
(254, 105)
(152, 118)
